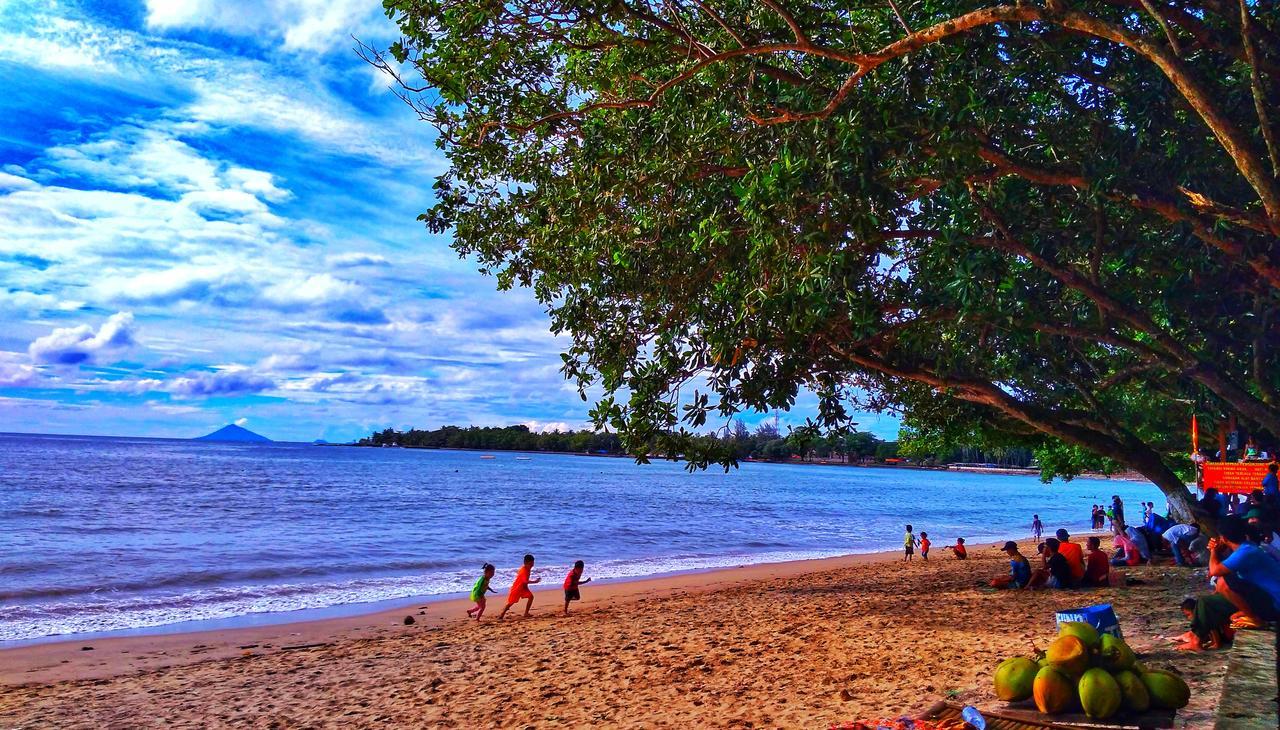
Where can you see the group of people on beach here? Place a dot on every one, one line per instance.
(520, 588)
(1243, 561)
(1064, 564)
(910, 542)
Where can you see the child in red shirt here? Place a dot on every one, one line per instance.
(924, 545)
(571, 583)
(959, 549)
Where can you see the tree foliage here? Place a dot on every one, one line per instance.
(1055, 223)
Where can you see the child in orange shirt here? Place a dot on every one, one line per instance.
(924, 545)
(520, 588)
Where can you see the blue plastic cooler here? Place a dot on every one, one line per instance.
(1100, 617)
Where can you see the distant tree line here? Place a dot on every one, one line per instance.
(766, 442)
(509, 438)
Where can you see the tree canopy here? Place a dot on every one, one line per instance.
(1042, 224)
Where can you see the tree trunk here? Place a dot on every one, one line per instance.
(1146, 462)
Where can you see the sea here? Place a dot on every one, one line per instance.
(100, 536)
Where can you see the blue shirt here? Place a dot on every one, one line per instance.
(1158, 523)
(1270, 485)
(1254, 566)
(1021, 572)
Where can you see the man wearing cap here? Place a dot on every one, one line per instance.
(1073, 555)
(1019, 569)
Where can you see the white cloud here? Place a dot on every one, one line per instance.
(284, 362)
(548, 427)
(241, 422)
(15, 182)
(232, 381)
(16, 375)
(76, 345)
(315, 289)
(358, 258)
(137, 157)
(227, 91)
(301, 24)
(33, 303)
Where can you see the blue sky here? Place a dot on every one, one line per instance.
(207, 215)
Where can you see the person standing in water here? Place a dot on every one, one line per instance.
(1037, 527)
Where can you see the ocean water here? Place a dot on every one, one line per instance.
(103, 534)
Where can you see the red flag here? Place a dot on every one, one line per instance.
(1195, 435)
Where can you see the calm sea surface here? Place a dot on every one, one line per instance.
(101, 534)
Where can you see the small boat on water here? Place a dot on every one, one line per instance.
(524, 458)
(488, 456)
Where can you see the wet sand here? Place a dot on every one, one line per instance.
(803, 644)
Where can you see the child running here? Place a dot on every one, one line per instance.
(908, 544)
(1037, 527)
(520, 588)
(571, 583)
(479, 589)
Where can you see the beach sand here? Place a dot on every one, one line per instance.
(795, 645)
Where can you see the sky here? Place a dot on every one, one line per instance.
(208, 215)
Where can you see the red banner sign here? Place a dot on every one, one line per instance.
(1234, 478)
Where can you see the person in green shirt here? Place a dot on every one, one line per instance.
(479, 590)
(909, 544)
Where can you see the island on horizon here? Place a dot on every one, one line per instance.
(232, 432)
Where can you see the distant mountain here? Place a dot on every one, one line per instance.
(232, 432)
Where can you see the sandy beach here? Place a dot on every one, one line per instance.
(802, 644)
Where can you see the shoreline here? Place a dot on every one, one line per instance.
(800, 644)
(63, 657)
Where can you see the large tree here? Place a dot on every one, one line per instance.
(1054, 223)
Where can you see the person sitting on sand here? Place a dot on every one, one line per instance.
(1210, 618)
(959, 549)
(1140, 542)
(1097, 572)
(1251, 577)
(1127, 550)
(1059, 567)
(924, 544)
(1073, 555)
(520, 588)
(908, 544)
(480, 589)
(571, 583)
(1019, 569)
